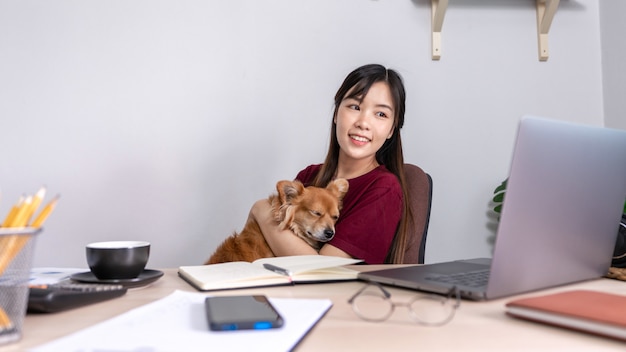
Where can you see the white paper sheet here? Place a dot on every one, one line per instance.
(177, 323)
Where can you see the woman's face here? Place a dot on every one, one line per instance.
(364, 126)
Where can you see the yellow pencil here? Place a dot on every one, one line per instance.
(11, 215)
(19, 216)
(45, 212)
(5, 321)
(22, 212)
(37, 200)
(14, 244)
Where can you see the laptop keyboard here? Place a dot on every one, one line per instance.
(478, 278)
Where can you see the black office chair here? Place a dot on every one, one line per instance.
(419, 185)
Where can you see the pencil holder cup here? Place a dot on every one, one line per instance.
(16, 253)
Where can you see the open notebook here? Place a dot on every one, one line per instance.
(269, 272)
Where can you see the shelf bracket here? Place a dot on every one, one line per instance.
(438, 12)
(545, 13)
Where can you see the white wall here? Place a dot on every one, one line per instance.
(165, 120)
(613, 27)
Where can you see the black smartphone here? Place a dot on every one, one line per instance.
(226, 313)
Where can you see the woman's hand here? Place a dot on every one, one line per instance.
(284, 242)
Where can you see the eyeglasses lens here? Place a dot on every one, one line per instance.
(372, 305)
(432, 310)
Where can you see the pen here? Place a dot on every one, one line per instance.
(277, 269)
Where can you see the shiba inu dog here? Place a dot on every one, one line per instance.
(309, 212)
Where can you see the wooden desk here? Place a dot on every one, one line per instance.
(477, 326)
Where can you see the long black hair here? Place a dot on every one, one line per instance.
(357, 84)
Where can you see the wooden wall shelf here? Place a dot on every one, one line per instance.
(545, 13)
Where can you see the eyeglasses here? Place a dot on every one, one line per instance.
(373, 303)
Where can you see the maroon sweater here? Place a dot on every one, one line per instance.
(371, 211)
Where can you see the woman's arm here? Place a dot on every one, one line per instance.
(284, 242)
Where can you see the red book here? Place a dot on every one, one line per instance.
(583, 310)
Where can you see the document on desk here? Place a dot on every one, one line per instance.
(178, 323)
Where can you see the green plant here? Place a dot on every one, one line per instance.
(498, 197)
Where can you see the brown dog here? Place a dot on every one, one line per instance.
(310, 212)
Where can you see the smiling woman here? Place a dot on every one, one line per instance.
(364, 123)
(365, 148)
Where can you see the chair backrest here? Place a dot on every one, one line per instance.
(420, 186)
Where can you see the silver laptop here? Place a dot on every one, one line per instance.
(559, 222)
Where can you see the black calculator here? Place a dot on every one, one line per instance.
(67, 295)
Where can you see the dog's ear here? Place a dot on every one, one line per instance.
(288, 190)
(339, 187)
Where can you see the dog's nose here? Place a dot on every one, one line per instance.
(329, 234)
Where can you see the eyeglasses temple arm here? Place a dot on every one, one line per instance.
(385, 292)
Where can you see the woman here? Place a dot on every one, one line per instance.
(365, 148)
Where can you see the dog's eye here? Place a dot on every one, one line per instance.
(335, 218)
(316, 213)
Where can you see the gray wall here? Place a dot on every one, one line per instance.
(165, 120)
(613, 28)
